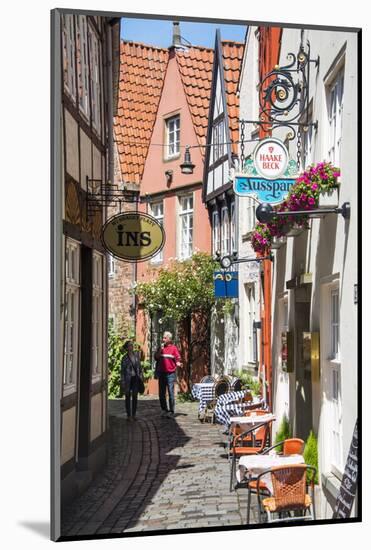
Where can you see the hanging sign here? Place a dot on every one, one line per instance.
(268, 175)
(226, 284)
(133, 236)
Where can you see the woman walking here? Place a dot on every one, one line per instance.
(131, 374)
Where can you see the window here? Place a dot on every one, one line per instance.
(216, 232)
(250, 214)
(95, 69)
(334, 330)
(157, 211)
(225, 232)
(83, 64)
(186, 226)
(218, 140)
(97, 316)
(250, 295)
(173, 136)
(71, 316)
(335, 419)
(111, 265)
(233, 227)
(69, 53)
(335, 113)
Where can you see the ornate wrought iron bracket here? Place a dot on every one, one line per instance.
(101, 195)
(284, 95)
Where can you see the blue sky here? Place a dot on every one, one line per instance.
(159, 32)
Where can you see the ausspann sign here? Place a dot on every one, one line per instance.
(267, 176)
(133, 236)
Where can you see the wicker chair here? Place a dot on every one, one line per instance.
(207, 378)
(290, 494)
(236, 384)
(291, 446)
(250, 442)
(221, 386)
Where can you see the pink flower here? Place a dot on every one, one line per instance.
(311, 201)
(314, 186)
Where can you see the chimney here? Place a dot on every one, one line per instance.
(176, 34)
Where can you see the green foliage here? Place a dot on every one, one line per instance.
(311, 455)
(184, 397)
(115, 354)
(249, 382)
(228, 306)
(284, 432)
(180, 288)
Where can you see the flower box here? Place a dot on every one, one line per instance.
(295, 230)
(329, 199)
(277, 242)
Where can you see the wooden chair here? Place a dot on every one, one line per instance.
(290, 493)
(250, 442)
(221, 386)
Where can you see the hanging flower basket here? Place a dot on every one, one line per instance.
(277, 242)
(329, 198)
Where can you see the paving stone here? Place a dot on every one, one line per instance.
(159, 475)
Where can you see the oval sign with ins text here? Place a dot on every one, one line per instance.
(133, 236)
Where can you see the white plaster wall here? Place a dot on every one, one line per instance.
(86, 154)
(248, 111)
(332, 242)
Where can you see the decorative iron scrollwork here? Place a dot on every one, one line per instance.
(101, 195)
(284, 95)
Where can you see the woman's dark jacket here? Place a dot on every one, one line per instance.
(126, 368)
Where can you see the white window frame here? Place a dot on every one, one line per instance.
(97, 316)
(186, 218)
(157, 211)
(335, 324)
(71, 316)
(69, 55)
(111, 265)
(83, 65)
(334, 97)
(218, 140)
(216, 231)
(172, 136)
(225, 232)
(251, 316)
(250, 214)
(95, 76)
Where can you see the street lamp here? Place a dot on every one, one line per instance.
(187, 166)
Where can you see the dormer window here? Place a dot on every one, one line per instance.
(218, 140)
(172, 136)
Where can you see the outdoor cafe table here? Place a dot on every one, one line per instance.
(204, 392)
(253, 465)
(225, 408)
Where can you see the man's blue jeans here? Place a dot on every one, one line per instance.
(167, 380)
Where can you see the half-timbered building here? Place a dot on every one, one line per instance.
(90, 63)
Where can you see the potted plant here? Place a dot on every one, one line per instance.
(261, 238)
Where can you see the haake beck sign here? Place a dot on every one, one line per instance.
(266, 176)
(133, 236)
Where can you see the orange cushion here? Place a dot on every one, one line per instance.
(270, 505)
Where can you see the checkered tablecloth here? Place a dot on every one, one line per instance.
(204, 392)
(224, 411)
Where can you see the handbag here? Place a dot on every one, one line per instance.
(140, 385)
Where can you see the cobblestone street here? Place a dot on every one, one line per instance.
(161, 474)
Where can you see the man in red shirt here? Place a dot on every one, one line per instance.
(168, 359)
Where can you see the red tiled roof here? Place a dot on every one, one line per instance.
(142, 77)
(232, 59)
(195, 67)
(142, 74)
